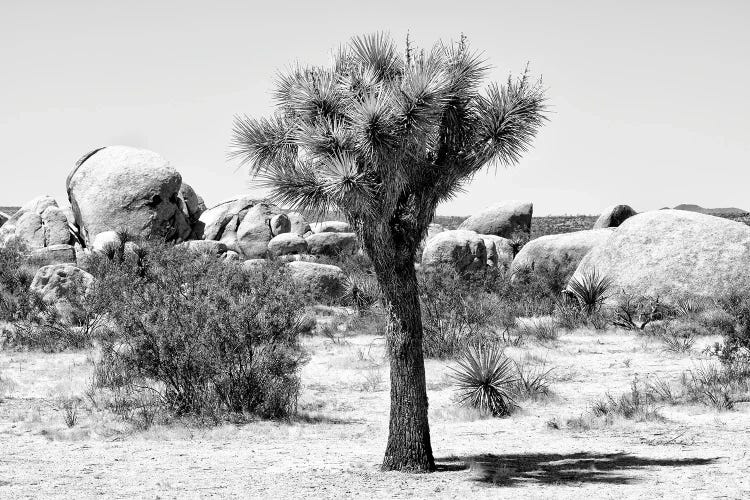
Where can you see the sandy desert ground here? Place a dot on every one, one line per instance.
(334, 448)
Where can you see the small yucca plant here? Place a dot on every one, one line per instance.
(590, 290)
(361, 292)
(485, 378)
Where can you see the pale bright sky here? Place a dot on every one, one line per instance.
(650, 99)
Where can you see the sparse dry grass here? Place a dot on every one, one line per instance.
(333, 447)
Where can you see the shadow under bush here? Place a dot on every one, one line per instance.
(206, 337)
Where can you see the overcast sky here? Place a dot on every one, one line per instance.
(650, 99)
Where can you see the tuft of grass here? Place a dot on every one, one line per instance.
(533, 382)
(373, 380)
(720, 387)
(679, 342)
(69, 407)
(541, 329)
(485, 380)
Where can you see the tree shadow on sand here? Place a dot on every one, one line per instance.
(552, 468)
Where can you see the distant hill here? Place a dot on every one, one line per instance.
(730, 211)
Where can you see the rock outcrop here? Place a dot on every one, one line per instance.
(501, 219)
(331, 226)
(461, 250)
(298, 224)
(39, 223)
(287, 244)
(673, 253)
(331, 244)
(243, 224)
(323, 281)
(614, 216)
(57, 283)
(119, 188)
(562, 252)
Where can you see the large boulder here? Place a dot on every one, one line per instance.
(499, 251)
(287, 244)
(331, 226)
(255, 230)
(458, 249)
(298, 223)
(501, 219)
(614, 216)
(211, 247)
(561, 252)
(673, 253)
(106, 241)
(331, 244)
(434, 229)
(57, 283)
(323, 282)
(58, 280)
(243, 224)
(121, 188)
(39, 223)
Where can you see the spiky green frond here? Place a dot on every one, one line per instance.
(324, 138)
(378, 52)
(310, 93)
(296, 185)
(509, 118)
(424, 94)
(385, 137)
(349, 186)
(263, 142)
(374, 125)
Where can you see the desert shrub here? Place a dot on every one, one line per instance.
(719, 386)
(17, 301)
(689, 307)
(636, 404)
(532, 382)
(361, 291)
(31, 323)
(543, 329)
(679, 337)
(485, 378)
(352, 264)
(636, 312)
(457, 312)
(205, 336)
(539, 287)
(517, 241)
(736, 345)
(716, 320)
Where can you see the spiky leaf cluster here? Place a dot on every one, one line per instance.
(384, 137)
(485, 380)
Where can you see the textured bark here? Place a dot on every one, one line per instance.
(408, 447)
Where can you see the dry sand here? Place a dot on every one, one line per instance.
(335, 450)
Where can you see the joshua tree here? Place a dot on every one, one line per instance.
(384, 138)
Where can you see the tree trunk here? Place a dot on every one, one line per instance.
(409, 447)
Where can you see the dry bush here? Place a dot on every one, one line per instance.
(31, 322)
(202, 336)
(459, 310)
